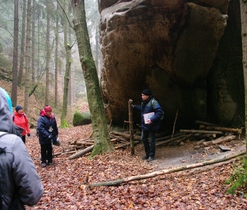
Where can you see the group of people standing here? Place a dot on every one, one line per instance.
(20, 183)
(47, 130)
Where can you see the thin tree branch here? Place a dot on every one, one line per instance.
(65, 14)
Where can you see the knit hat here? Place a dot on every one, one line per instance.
(147, 92)
(48, 109)
(17, 108)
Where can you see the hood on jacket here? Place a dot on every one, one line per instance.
(7, 124)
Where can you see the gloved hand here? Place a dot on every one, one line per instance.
(28, 134)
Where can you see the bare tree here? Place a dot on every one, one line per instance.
(28, 47)
(33, 43)
(56, 58)
(15, 55)
(23, 35)
(48, 57)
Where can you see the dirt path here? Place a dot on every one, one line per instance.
(175, 156)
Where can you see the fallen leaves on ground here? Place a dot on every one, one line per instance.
(65, 182)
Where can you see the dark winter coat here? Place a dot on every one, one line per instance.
(19, 182)
(47, 129)
(150, 105)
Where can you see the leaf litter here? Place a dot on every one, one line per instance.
(66, 188)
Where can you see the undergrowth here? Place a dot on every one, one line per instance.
(238, 178)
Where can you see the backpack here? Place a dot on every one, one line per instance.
(162, 117)
(15, 202)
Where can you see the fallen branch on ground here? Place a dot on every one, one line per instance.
(165, 171)
(200, 131)
(220, 140)
(82, 152)
(223, 129)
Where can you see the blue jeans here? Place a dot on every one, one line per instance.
(149, 147)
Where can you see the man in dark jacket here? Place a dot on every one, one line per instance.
(19, 182)
(151, 113)
(48, 132)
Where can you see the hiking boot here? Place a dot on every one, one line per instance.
(150, 159)
(50, 164)
(43, 164)
(145, 157)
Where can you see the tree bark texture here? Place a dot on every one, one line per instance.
(28, 54)
(102, 143)
(48, 53)
(23, 33)
(15, 56)
(67, 71)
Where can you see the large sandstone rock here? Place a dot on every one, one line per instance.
(168, 46)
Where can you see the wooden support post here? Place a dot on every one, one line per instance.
(174, 124)
(130, 109)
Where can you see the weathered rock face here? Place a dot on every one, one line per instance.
(169, 46)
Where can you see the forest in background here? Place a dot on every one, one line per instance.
(43, 32)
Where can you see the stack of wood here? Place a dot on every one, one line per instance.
(206, 135)
(209, 134)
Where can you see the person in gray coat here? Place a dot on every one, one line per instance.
(20, 183)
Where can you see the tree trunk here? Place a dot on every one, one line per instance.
(23, 34)
(33, 43)
(56, 58)
(67, 71)
(243, 9)
(15, 56)
(102, 143)
(47, 68)
(28, 47)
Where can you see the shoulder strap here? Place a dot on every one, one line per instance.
(2, 133)
(152, 102)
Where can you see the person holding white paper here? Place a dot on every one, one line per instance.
(151, 113)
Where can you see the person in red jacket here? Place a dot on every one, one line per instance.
(21, 120)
